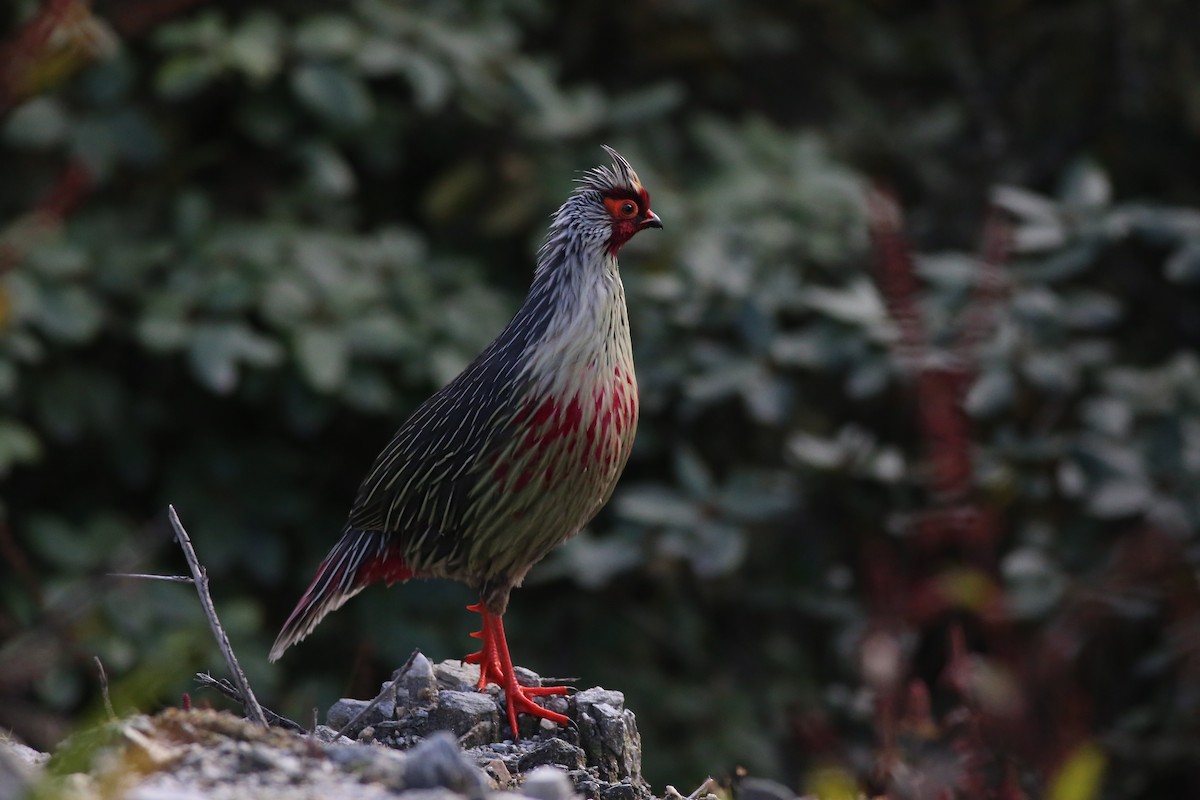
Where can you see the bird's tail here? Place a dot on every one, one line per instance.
(358, 559)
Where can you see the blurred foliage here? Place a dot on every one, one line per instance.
(243, 240)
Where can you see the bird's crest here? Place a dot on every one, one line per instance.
(605, 179)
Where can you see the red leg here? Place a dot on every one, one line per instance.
(495, 666)
(486, 657)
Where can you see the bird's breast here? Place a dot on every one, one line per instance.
(574, 439)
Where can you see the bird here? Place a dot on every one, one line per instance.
(518, 452)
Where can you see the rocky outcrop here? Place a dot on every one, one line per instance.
(430, 732)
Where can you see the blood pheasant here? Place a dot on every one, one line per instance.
(518, 452)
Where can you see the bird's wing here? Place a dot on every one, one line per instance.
(420, 488)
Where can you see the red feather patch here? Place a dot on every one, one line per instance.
(389, 568)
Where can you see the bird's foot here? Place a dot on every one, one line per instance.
(520, 700)
(495, 666)
(490, 670)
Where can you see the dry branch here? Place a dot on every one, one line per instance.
(200, 576)
(145, 576)
(108, 706)
(206, 681)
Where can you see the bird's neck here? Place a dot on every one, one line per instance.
(578, 301)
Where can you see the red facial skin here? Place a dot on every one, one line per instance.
(625, 226)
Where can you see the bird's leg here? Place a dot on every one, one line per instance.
(490, 670)
(495, 666)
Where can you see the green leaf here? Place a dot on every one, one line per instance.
(18, 445)
(1088, 310)
(329, 173)
(1085, 186)
(378, 334)
(657, 505)
(858, 304)
(217, 350)
(328, 36)
(1051, 371)
(323, 357)
(41, 123)
(333, 93)
(868, 378)
(185, 74)
(256, 47)
(59, 260)
(1183, 266)
(213, 360)
(1026, 205)
(1035, 584)
(70, 313)
(692, 473)
(992, 393)
(162, 334)
(286, 301)
(1119, 497)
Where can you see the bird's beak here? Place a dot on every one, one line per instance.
(651, 221)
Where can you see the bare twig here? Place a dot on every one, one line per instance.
(388, 693)
(108, 706)
(226, 688)
(200, 576)
(710, 786)
(145, 576)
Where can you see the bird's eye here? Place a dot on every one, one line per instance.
(621, 208)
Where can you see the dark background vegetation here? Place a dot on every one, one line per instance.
(913, 525)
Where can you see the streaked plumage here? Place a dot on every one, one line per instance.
(519, 451)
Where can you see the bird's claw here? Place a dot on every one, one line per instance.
(519, 699)
(495, 666)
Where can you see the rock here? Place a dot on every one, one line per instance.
(438, 762)
(590, 697)
(329, 735)
(457, 676)
(466, 712)
(343, 711)
(527, 677)
(405, 732)
(385, 709)
(547, 783)
(165, 792)
(17, 768)
(183, 755)
(620, 791)
(22, 752)
(585, 782)
(554, 751)
(608, 735)
(419, 685)
(377, 765)
(499, 773)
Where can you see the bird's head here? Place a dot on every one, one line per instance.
(609, 206)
